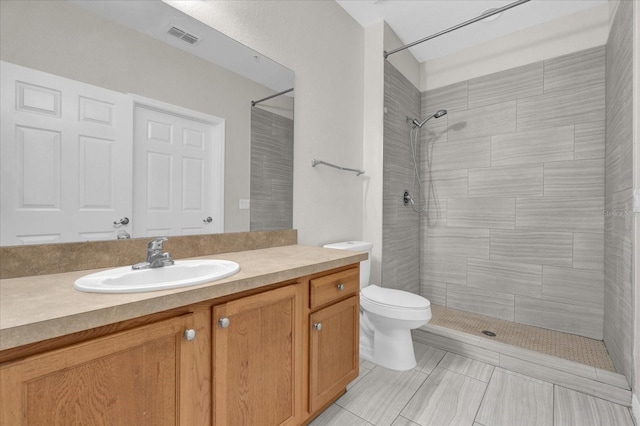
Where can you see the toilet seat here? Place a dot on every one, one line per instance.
(393, 303)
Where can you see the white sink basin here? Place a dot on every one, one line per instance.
(183, 273)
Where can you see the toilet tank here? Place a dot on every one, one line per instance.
(365, 265)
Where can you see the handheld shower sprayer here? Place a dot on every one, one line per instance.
(414, 142)
(438, 114)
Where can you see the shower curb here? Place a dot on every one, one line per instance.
(593, 381)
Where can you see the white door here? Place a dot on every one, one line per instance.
(178, 172)
(66, 161)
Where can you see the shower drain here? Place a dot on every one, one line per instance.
(489, 333)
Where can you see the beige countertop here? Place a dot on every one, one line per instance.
(46, 306)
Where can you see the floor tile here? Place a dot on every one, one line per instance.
(338, 416)
(467, 366)
(514, 399)
(573, 408)
(445, 398)
(381, 394)
(403, 421)
(427, 357)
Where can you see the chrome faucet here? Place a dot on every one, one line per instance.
(155, 257)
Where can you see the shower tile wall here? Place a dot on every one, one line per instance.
(515, 226)
(618, 250)
(400, 239)
(271, 171)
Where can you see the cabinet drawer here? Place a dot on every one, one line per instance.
(334, 287)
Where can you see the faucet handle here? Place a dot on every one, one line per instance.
(156, 244)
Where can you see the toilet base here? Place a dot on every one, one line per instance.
(393, 349)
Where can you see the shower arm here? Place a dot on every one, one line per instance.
(455, 27)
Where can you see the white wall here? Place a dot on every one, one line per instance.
(559, 37)
(325, 48)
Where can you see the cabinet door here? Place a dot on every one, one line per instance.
(258, 357)
(333, 356)
(127, 378)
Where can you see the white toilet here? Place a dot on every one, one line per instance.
(387, 317)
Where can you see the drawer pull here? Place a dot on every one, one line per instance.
(224, 322)
(318, 326)
(190, 334)
(341, 287)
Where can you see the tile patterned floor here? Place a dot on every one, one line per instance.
(563, 345)
(449, 389)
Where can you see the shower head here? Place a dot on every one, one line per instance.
(438, 114)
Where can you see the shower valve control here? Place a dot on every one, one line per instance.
(406, 198)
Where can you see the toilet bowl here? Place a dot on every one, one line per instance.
(387, 317)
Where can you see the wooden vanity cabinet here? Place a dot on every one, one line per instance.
(334, 331)
(272, 356)
(142, 376)
(257, 366)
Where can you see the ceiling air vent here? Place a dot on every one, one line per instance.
(183, 35)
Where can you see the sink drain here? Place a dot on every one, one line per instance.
(488, 333)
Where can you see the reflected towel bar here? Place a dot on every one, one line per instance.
(356, 171)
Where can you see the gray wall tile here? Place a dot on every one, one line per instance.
(470, 299)
(582, 105)
(493, 213)
(459, 154)
(482, 121)
(507, 181)
(448, 183)
(457, 241)
(560, 214)
(589, 140)
(588, 251)
(446, 269)
(583, 178)
(508, 85)
(619, 251)
(569, 318)
(548, 144)
(505, 277)
(576, 70)
(534, 247)
(573, 286)
(452, 98)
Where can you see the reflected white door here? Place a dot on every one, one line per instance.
(66, 161)
(178, 173)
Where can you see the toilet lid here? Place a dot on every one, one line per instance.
(394, 298)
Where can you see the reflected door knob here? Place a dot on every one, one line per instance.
(190, 334)
(224, 322)
(207, 219)
(123, 221)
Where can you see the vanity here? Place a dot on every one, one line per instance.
(274, 344)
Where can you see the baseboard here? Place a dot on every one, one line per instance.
(635, 408)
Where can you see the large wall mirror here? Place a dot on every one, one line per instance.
(141, 70)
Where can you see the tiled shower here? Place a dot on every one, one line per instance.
(527, 175)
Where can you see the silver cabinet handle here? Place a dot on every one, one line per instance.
(207, 219)
(190, 334)
(318, 326)
(224, 322)
(341, 287)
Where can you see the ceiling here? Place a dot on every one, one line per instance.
(413, 20)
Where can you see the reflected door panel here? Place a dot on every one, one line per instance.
(60, 178)
(178, 175)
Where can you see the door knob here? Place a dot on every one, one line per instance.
(190, 334)
(123, 221)
(318, 326)
(207, 219)
(224, 322)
